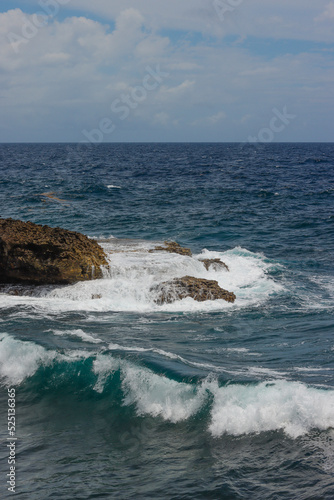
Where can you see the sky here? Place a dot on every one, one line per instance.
(158, 71)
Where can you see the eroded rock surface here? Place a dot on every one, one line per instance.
(34, 254)
(197, 288)
(173, 247)
(216, 264)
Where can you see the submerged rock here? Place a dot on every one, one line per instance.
(21, 290)
(41, 255)
(216, 264)
(173, 247)
(197, 288)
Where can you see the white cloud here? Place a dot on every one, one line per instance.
(152, 47)
(65, 78)
(179, 89)
(84, 39)
(55, 58)
(327, 14)
(216, 118)
(292, 19)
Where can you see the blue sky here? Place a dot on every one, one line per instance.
(147, 70)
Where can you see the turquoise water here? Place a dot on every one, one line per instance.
(117, 397)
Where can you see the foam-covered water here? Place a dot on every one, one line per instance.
(129, 282)
(120, 397)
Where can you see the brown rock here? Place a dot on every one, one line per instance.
(34, 254)
(172, 247)
(197, 288)
(216, 264)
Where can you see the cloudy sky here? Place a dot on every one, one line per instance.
(176, 70)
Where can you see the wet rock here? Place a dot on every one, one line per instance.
(216, 264)
(24, 290)
(41, 255)
(172, 247)
(197, 288)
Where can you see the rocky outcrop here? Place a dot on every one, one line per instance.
(34, 254)
(172, 247)
(197, 288)
(216, 264)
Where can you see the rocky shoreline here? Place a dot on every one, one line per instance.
(41, 255)
(32, 254)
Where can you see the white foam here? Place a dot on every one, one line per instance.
(310, 369)
(20, 360)
(289, 406)
(248, 277)
(236, 409)
(128, 284)
(322, 299)
(159, 396)
(260, 371)
(232, 350)
(166, 354)
(322, 449)
(85, 337)
(118, 347)
(111, 186)
(242, 350)
(151, 394)
(103, 367)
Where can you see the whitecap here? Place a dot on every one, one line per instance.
(85, 337)
(235, 409)
(288, 406)
(20, 360)
(159, 396)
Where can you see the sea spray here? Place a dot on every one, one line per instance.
(235, 409)
(133, 274)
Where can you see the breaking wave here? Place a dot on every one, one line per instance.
(233, 409)
(128, 284)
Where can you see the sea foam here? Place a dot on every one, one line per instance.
(281, 405)
(128, 284)
(20, 360)
(234, 409)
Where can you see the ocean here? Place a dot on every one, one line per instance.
(117, 397)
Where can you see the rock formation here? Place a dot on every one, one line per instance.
(172, 247)
(216, 264)
(197, 288)
(34, 254)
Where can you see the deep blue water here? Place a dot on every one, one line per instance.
(117, 397)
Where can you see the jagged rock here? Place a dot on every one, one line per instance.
(34, 254)
(216, 264)
(172, 247)
(197, 288)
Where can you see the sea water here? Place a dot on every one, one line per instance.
(119, 397)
